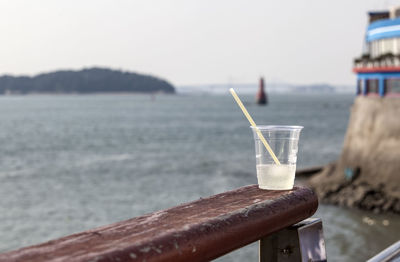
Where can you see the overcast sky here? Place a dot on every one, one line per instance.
(188, 41)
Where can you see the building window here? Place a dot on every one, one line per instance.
(373, 86)
(360, 87)
(393, 86)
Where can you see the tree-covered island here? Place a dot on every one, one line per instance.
(88, 80)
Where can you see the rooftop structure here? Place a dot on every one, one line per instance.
(378, 68)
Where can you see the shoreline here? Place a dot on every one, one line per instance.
(84, 94)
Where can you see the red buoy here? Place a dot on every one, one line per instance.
(261, 95)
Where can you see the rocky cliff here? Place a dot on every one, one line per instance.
(367, 174)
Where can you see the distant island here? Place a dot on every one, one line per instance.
(271, 88)
(88, 80)
(314, 88)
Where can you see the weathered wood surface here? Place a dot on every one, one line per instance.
(197, 231)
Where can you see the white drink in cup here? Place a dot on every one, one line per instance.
(276, 177)
(283, 140)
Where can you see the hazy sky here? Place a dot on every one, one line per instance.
(188, 41)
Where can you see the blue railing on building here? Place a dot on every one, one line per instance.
(386, 28)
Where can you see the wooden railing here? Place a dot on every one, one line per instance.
(201, 230)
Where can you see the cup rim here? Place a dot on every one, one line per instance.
(278, 127)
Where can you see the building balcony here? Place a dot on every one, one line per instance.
(383, 63)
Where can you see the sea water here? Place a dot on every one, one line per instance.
(59, 154)
(276, 177)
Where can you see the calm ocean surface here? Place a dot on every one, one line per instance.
(70, 163)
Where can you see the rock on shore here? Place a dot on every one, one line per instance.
(367, 174)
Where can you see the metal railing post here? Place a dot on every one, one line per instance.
(302, 242)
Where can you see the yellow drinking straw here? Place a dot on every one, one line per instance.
(253, 124)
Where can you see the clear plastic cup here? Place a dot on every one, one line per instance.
(283, 141)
